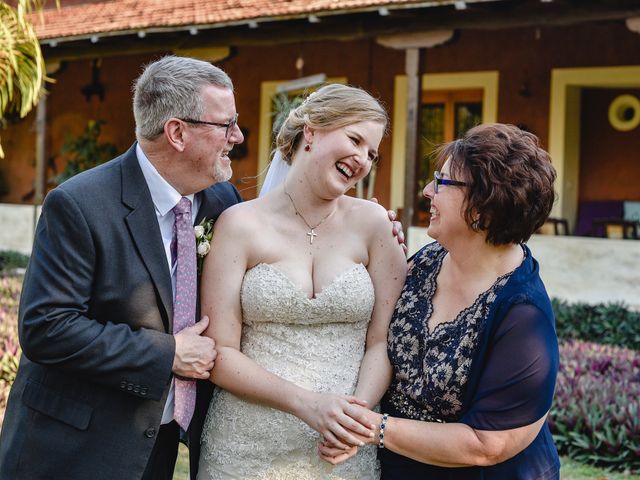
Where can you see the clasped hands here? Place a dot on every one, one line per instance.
(345, 423)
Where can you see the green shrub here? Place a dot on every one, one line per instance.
(85, 151)
(10, 259)
(595, 418)
(606, 323)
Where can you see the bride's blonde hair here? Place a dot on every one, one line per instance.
(332, 106)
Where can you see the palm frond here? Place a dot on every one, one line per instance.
(21, 63)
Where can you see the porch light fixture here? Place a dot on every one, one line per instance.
(95, 87)
(460, 5)
(313, 19)
(383, 11)
(253, 24)
(193, 31)
(94, 39)
(53, 43)
(633, 24)
(142, 34)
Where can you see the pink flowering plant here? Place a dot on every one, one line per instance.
(595, 417)
(204, 233)
(10, 351)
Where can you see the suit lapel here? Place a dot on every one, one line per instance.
(211, 205)
(145, 231)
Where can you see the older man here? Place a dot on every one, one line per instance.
(112, 358)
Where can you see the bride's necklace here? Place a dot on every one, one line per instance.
(311, 233)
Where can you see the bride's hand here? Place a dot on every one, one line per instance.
(335, 417)
(335, 455)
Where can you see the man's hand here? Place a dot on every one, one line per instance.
(195, 354)
(396, 227)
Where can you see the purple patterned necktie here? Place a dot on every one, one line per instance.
(184, 307)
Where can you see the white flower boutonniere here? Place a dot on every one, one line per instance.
(204, 233)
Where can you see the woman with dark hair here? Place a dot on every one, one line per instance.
(472, 340)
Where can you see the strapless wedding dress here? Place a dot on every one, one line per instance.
(315, 343)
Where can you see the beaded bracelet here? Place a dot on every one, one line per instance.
(383, 423)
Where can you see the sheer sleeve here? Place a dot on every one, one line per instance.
(518, 378)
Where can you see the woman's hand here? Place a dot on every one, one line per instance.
(335, 455)
(367, 417)
(339, 419)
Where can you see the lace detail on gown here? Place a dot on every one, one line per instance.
(316, 343)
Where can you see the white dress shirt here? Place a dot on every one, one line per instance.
(164, 198)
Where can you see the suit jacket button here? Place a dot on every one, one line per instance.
(136, 389)
(130, 386)
(123, 384)
(143, 391)
(150, 432)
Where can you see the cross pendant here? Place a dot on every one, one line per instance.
(311, 233)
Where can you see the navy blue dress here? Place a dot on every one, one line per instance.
(493, 368)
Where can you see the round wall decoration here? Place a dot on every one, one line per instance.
(624, 113)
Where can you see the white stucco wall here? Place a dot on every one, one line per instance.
(592, 270)
(17, 226)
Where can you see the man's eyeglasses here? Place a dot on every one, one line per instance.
(438, 180)
(228, 126)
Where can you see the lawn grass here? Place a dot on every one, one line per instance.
(571, 470)
(182, 465)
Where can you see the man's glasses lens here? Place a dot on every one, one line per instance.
(230, 126)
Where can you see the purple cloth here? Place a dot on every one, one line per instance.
(592, 210)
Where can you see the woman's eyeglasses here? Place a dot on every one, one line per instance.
(438, 180)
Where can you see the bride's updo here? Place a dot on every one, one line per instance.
(332, 106)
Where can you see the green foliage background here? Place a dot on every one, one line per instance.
(22, 69)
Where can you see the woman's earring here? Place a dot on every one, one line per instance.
(475, 225)
(307, 147)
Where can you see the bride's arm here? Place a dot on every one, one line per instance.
(387, 269)
(222, 277)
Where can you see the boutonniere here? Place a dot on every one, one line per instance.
(204, 233)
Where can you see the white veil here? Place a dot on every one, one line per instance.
(276, 174)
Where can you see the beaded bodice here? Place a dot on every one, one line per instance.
(316, 343)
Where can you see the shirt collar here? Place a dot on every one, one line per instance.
(163, 195)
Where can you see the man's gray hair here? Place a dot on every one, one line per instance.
(171, 87)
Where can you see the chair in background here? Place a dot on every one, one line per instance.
(555, 226)
(616, 228)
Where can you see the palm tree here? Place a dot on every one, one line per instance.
(22, 68)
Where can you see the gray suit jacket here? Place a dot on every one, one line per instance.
(95, 322)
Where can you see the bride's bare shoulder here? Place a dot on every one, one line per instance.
(365, 212)
(242, 216)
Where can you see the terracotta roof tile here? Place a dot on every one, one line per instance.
(82, 19)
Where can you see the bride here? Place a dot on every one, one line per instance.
(300, 289)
